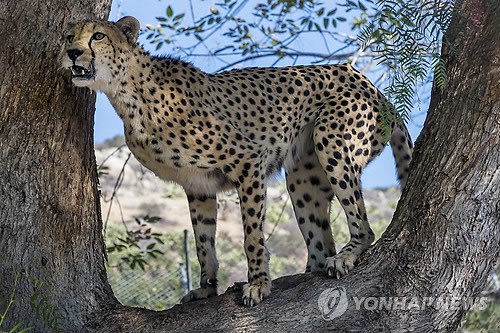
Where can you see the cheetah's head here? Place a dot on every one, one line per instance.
(96, 51)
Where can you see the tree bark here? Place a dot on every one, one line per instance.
(50, 225)
(444, 239)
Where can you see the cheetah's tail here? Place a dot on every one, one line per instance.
(402, 148)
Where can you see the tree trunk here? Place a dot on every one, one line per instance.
(50, 225)
(444, 239)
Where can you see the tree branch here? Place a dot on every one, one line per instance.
(293, 305)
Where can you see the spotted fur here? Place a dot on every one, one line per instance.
(235, 129)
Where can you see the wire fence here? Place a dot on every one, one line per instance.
(161, 283)
(155, 289)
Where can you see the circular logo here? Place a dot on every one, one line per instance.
(333, 303)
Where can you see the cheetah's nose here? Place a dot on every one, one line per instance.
(74, 53)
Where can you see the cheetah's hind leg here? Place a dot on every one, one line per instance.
(343, 171)
(311, 194)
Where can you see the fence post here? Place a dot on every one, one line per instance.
(183, 277)
(188, 263)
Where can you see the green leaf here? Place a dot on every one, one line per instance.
(440, 76)
(169, 11)
(152, 219)
(331, 12)
(24, 330)
(14, 329)
(361, 6)
(178, 17)
(39, 308)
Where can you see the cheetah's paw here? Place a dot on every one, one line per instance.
(254, 292)
(199, 293)
(340, 264)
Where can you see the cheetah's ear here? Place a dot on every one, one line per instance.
(130, 27)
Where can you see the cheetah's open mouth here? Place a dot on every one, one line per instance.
(82, 73)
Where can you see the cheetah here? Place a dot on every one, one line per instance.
(209, 133)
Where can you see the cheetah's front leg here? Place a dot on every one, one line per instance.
(203, 210)
(252, 194)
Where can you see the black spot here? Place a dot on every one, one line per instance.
(314, 180)
(309, 166)
(251, 211)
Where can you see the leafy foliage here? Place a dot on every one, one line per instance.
(48, 312)
(406, 35)
(439, 69)
(138, 243)
(158, 285)
(39, 303)
(18, 328)
(239, 31)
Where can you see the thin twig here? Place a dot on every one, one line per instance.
(279, 217)
(118, 184)
(107, 157)
(293, 55)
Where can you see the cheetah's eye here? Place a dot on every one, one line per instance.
(98, 36)
(70, 38)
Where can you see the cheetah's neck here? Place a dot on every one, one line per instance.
(159, 82)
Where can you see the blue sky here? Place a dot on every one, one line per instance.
(379, 174)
